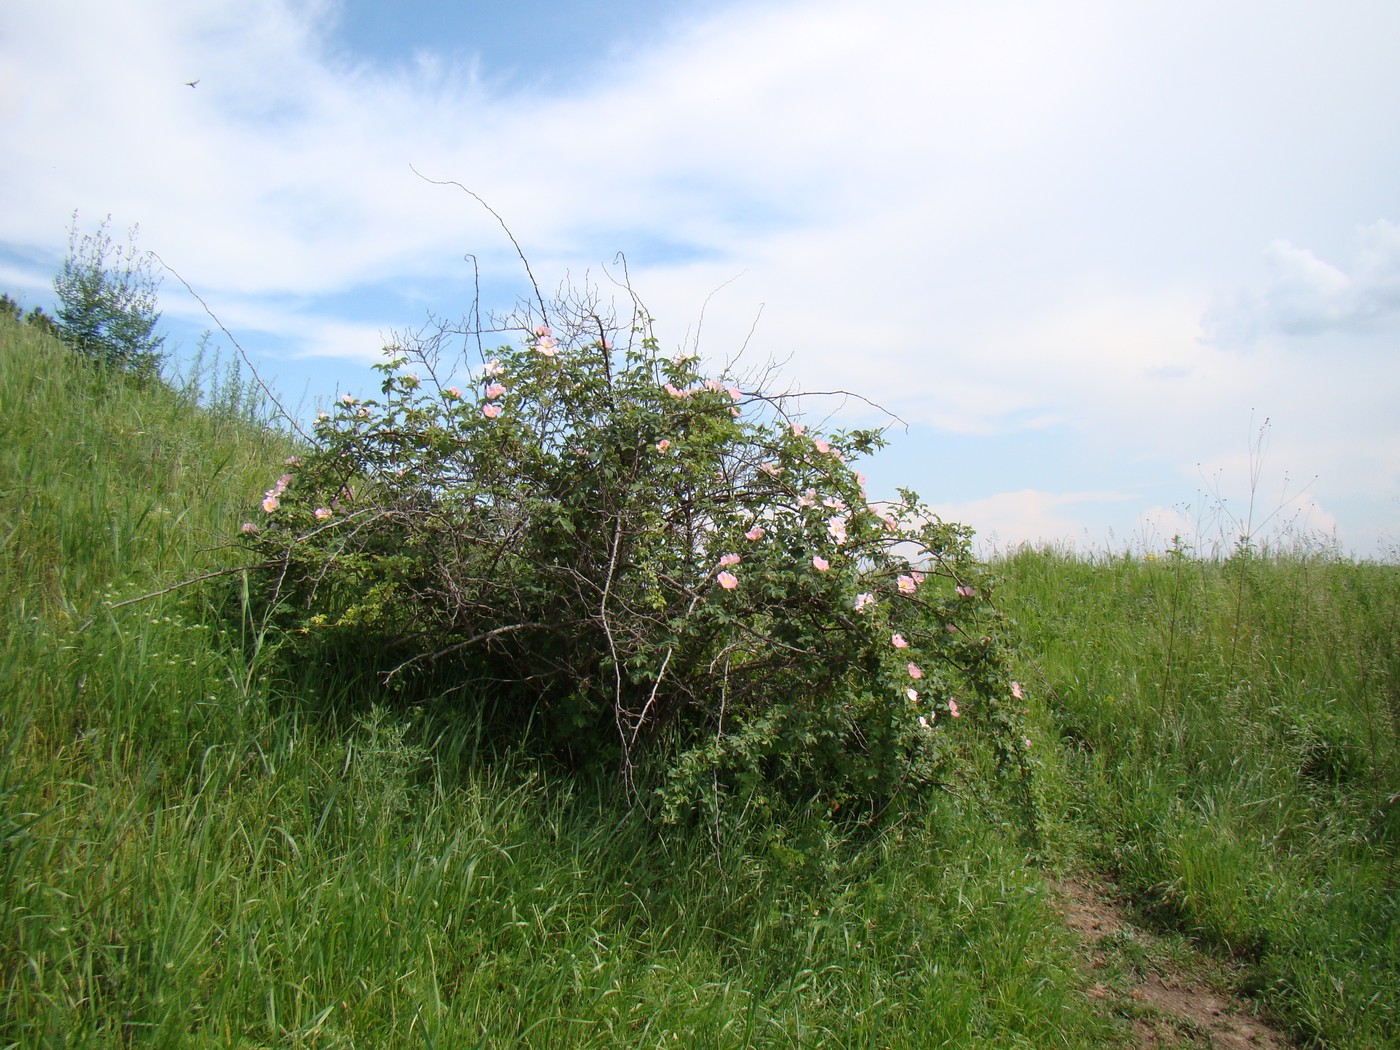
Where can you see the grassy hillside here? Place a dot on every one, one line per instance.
(1227, 752)
(200, 846)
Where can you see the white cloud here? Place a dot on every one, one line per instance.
(995, 219)
(1010, 519)
(1307, 296)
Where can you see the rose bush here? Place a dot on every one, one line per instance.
(643, 565)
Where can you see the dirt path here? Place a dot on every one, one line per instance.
(1167, 1007)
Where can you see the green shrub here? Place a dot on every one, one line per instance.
(644, 566)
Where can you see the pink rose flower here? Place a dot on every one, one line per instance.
(819, 563)
(1016, 691)
(728, 559)
(953, 708)
(912, 694)
(322, 513)
(906, 584)
(899, 642)
(727, 580)
(663, 444)
(269, 504)
(914, 671)
(755, 533)
(491, 411)
(495, 390)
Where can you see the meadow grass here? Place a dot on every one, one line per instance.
(200, 846)
(1225, 737)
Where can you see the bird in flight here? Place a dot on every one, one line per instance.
(191, 83)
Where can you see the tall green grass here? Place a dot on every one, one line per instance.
(202, 847)
(1229, 751)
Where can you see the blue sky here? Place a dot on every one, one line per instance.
(1083, 249)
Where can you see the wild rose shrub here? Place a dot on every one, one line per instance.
(646, 565)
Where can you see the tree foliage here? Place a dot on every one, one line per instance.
(107, 302)
(647, 565)
(35, 318)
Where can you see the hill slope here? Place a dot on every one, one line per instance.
(200, 845)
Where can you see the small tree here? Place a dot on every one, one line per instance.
(107, 302)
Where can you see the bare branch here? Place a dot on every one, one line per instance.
(544, 313)
(458, 647)
(236, 570)
(267, 390)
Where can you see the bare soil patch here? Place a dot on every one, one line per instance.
(1167, 1006)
